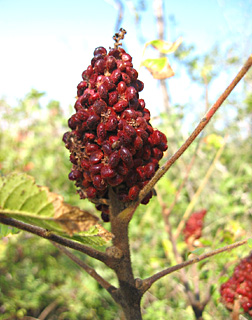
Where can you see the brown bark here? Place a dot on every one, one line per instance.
(129, 296)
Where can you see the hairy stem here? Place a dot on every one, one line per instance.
(130, 296)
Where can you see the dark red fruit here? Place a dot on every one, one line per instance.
(101, 131)
(107, 172)
(111, 123)
(133, 192)
(239, 287)
(99, 106)
(111, 141)
(105, 217)
(96, 157)
(100, 50)
(93, 121)
(116, 76)
(91, 192)
(74, 175)
(194, 226)
(126, 157)
(111, 63)
(121, 87)
(114, 159)
(113, 98)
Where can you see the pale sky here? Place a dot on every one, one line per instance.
(47, 44)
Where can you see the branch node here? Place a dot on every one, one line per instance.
(138, 283)
(114, 252)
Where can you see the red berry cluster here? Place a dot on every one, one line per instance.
(239, 286)
(112, 142)
(194, 226)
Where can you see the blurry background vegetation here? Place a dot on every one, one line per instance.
(37, 281)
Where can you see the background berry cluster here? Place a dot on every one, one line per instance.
(194, 226)
(239, 286)
(112, 142)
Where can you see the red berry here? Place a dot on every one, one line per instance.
(99, 66)
(96, 157)
(133, 192)
(103, 92)
(91, 192)
(101, 131)
(111, 63)
(107, 172)
(99, 183)
(74, 175)
(99, 106)
(130, 93)
(100, 50)
(126, 78)
(114, 159)
(121, 87)
(96, 168)
(111, 140)
(113, 98)
(105, 217)
(116, 76)
(111, 123)
(85, 164)
(126, 57)
(93, 121)
(126, 157)
(120, 105)
(90, 148)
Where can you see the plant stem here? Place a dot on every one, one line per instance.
(105, 284)
(130, 296)
(204, 121)
(43, 233)
(148, 282)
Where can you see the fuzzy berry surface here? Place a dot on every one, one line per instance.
(111, 142)
(194, 226)
(239, 287)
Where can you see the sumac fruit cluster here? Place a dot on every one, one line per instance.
(239, 286)
(111, 142)
(194, 226)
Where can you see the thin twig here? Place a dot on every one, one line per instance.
(204, 121)
(148, 282)
(128, 212)
(199, 190)
(43, 233)
(48, 310)
(105, 284)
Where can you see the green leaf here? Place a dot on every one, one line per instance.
(250, 242)
(214, 140)
(22, 199)
(159, 68)
(198, 251)
(6, 230)
(165, 47)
